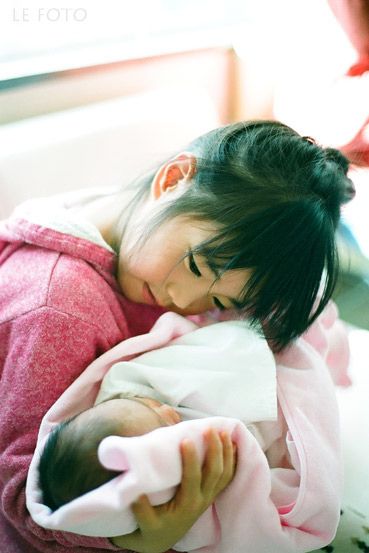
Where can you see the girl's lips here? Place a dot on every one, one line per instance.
(148, 296)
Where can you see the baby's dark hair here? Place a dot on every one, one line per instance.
(275, 197)
(69, 466)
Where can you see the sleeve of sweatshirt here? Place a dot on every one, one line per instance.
(47, 349)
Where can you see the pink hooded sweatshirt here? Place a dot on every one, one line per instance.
(60, 308)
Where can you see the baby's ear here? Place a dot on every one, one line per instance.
(111, 455)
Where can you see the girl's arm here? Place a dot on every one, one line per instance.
(48, 350)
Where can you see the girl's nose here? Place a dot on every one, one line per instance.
(183, 296)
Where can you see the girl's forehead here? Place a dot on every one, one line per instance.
(187, 229)
(190, 221)
(197, 227)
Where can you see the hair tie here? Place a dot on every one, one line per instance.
(309, 139)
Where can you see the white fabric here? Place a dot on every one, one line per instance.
(224, 369)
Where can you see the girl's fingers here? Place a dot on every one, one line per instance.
(229, 459)
(191, 472)
(145, 513)
(213, 465)
(208, 480)
(191, 468)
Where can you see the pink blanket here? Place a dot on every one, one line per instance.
(287, 507)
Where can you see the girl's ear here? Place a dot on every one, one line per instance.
(167, 179)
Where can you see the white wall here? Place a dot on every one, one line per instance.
(101, 144)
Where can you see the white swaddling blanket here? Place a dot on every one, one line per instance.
(224, 369)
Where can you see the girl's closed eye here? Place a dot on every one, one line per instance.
(192, 265)
(218, 304)
(196, 271)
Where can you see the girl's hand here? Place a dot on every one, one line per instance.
(160, 527)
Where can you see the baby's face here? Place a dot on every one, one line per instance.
(138, 415)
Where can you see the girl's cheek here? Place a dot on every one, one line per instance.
(196, 308)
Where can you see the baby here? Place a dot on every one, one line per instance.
(72, 446)
(224, 369)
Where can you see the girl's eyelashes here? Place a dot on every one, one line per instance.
(196, 271)
(192, 265)
(218, 304)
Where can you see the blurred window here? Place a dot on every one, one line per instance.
(38, 37)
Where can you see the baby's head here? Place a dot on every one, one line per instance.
(69, 466)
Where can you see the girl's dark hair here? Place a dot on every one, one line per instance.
(275, 198)
(69, 466)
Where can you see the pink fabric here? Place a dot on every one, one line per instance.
(289, 507)
(357, 150)
(329, 337)
(60, 308)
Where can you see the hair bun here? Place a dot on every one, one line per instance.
(342, 163)
(335, 156)
(349, 192)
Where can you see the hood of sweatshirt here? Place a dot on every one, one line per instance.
(53, 223)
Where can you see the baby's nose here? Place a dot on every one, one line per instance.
(170, 414)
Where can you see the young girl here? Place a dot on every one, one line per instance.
(244, 219)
